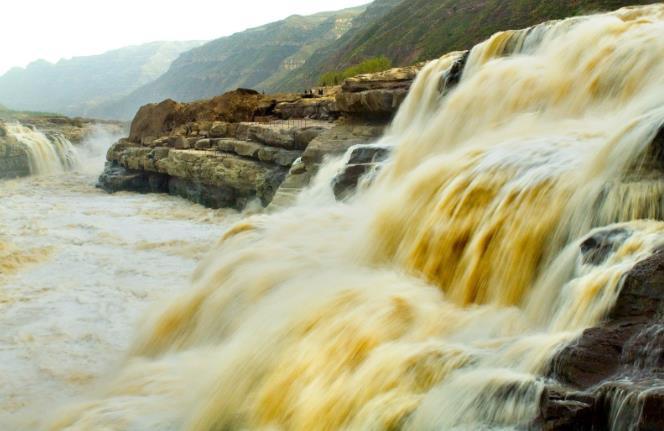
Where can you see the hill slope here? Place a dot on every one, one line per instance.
(417, 30)
(255, 58)
(75, 86)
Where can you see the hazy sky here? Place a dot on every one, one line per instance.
(55, 29)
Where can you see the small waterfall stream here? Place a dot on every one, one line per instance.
(46, 154)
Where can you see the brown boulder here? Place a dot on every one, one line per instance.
(170, 117)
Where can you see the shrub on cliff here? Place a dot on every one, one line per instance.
(371, 65)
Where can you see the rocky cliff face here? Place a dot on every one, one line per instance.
(243, 145)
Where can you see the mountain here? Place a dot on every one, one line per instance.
(75, 86)
(409, 31)
(319, 62)
(256, 58)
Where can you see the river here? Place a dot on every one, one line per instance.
(78, 268)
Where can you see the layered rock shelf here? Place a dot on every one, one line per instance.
(223, 165)
(244, 146)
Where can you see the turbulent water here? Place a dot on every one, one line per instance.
(433, 299)
(78, 268)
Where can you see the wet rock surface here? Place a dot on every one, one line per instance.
(364, 162)
(612, 376)
(14, 160)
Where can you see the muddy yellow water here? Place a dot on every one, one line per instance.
(78, 268)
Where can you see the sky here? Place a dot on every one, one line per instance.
(56, 29)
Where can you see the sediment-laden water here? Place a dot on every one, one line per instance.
(432, 300)
(78, 268)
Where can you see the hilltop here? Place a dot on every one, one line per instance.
(256, 58)
(409, 31)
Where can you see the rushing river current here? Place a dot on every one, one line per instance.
(78, 267)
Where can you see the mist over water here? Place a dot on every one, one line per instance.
(434, 299)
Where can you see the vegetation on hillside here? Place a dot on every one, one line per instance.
(371, 65)
(417, 30)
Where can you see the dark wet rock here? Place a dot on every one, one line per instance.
(617, 367)
(14, 159)
(363, 154)
(363, 162)
(116, 178)
(595, 356)
(653, 158)
(597, 247)
(642, 294)
(565, 411)
(209, 196)
(452, 77)
(345, 183)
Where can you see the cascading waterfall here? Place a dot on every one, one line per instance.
(436, 298)
(46, 155)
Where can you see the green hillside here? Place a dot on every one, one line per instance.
(417, 30)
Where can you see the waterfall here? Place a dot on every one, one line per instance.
(46, 154)
(436, 298)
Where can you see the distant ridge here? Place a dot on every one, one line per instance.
(255, 58)
(76, 86)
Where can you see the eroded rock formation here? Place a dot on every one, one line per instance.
(243, 145)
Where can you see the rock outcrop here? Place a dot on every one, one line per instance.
(612, 377)
(376, 95)
(223, 152)
(14, 161)
(364, 161)
(243, 145)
